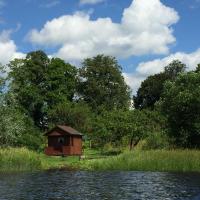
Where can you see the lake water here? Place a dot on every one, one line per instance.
(54, 185)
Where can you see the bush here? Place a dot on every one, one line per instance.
(109, 150)
(154, 141)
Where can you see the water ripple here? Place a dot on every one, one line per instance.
(63, 185)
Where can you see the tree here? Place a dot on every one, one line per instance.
(198, 68)
(17, 129)
(149, 92)
(174, 69)
(39, 83)
(132, 125)
(2, 78)
(102, 85)
(151, 88)
(77, 115)
(181, 105)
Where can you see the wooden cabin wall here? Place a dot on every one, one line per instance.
(76, 149)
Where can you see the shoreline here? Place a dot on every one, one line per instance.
(178, 161)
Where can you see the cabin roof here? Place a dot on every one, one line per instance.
(66, 129)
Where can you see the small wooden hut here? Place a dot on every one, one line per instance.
(63, 140)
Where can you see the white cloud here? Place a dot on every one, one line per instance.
(145, 28)
(156, 66)
(8, 49)
(90, 1)
(133, 80)
(146, 69)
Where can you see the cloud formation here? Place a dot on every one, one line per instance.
(145, 28)
(8, 49)
(146, 69)
(90, 1)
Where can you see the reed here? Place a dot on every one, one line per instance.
(154, 160)
(19, 159)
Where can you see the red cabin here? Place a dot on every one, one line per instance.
(64, 140)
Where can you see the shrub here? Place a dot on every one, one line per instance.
(156, 140)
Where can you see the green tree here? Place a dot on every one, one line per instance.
(39, 83)
(77, 115)
(17, 129)
(2, 78)
(102, 85)
(198, 68)
(151, 89)
(174, 69)
(131, 125)
(181, 105)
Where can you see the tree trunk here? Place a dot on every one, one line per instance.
(133, 143)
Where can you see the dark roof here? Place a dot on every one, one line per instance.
(66, 129)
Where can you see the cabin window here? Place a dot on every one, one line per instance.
(61, 140)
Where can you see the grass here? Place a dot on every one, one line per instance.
(21, 159)
(155, 160)
(55, 162)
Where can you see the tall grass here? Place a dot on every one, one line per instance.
(18, 159)
(22, 159)
(154, 160)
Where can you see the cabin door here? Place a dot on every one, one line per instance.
(60, 144)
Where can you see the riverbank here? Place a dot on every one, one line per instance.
(21, 159)
(154, 160)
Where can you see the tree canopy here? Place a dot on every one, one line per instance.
(39, 83)
(181, 105)
(102, 85)
(151, 89)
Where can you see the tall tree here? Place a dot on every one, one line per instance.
(102, 85)
(2, 78)
(181, 105)
(39, 83)
(151, 89)
(198, 68)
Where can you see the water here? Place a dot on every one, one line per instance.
(63, 185)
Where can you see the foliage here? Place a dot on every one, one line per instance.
(181, 105)
(102, 85)
(2, 78)
(113, 127)
(42, 92)
(151, 89)
(77, 115)
(156, 140)
(17, 129)
(39, 83)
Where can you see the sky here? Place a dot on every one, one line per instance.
(144, 35)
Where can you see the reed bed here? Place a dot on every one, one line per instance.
(154, 160)
(19, 159)
(22, 159)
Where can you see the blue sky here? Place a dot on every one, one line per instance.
(144, 35)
